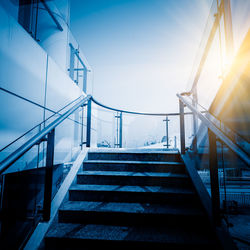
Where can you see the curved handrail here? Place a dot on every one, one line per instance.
(234, 147)
(8, 161)
(134, 112)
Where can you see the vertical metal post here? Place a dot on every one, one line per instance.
(117, 144)
(88, 135)
(76, 127)
(81, 144)
(38, 151)
(72, 62)
(195, 121)
(48, 175)
(182, 127)
(77, 66)
(167, 137)
(113, 140)
(213, 166)
(85, 75)
(120, 132)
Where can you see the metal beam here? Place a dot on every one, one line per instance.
(228, 28)
(208, 46)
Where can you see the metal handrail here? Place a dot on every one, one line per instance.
(135, 112)
(39, 124)
(8, 161)
(234, 147)
(35, 103)
(218, 120)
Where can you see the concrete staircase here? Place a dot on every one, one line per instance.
(131, 199)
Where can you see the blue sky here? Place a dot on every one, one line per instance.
(141, 51)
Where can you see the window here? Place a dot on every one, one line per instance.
(28, 15)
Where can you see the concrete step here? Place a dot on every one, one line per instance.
(136, 199)
(131, 214)
(133, 179)
(142, 194)
(134, 166)
(135, 156)
(91, 236)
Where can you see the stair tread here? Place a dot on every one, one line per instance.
(123, 207)
(144, 189)
(127, 173)
(176, 235)
(133, 151)
(134, 198)
(136, 162)
(135, 155)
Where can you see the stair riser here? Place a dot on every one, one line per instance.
(79, 244)
(134, 157)
(133, 167)
(130, 219)
(166, 216)
(134, 180)
(141, 197)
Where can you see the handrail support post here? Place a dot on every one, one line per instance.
(214, 180)
(195, 121)
(81, 144)
(88, 135)
(120, 132)
(49, 175)
(167, 136)
(182, 127)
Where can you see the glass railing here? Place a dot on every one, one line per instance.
(24, 177)
(25, 199)
(125, 129)
(214, 148)
(228, 131)
(222, 160)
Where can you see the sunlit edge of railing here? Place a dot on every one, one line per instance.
(234, 147)
(215, 119)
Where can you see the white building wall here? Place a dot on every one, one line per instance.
(37, 71)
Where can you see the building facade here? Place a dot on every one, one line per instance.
(42, 70)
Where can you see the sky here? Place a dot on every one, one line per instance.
(141, 51)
